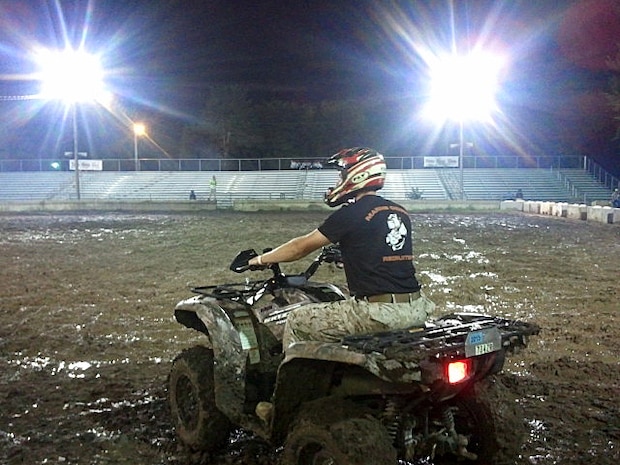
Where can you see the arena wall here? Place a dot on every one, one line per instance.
(595, 213)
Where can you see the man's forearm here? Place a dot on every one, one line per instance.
(287, 252)
(293, 250)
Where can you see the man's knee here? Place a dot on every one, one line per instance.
(296, 326)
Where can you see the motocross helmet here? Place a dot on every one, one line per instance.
(361, 169)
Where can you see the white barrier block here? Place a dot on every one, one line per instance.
(545, 208)
(600, 214)
(530, 206)
(511, 205)
(559, 209)
(576, 211)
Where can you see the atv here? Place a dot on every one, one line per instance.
(416, 395)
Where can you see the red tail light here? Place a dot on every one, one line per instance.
(458, 371)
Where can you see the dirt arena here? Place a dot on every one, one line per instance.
(87, 334)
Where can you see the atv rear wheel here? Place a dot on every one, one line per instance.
(198, 422)
(488, 416)
(353, 441)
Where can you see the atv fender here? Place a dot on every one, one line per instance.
(204, 314)
(311, 370)
(387, 369)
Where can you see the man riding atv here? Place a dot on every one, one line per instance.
(366, 380)
(374, 235)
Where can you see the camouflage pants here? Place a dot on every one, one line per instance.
(331, 321)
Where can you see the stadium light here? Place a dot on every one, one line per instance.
(139, 129)
(73, 76)
(462, 89)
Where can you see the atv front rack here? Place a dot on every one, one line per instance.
(233, 291)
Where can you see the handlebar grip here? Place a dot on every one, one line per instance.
(241, 261)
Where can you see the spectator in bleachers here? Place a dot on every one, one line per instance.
(519, 195)
(192, 195)
(615, 198)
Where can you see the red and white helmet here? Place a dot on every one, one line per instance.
(361, 169)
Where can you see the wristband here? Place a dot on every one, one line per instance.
(259, 260)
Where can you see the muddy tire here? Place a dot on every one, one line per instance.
(489, 416)
(353, 441)
(199, 424)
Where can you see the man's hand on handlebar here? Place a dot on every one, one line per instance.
(248, 260)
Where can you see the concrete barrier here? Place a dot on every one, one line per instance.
(559, 209)
(601, 214)
(105, 206)
(245, 205)
(546, 208)
(577, 212)
(516, 205)
(530, 206)
(597, 213)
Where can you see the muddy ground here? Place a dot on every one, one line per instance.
(87, 335)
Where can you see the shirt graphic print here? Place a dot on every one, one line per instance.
(398, 232)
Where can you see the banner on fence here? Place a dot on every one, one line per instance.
(87, 165)
(441, 162)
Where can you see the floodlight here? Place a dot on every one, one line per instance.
(139, 129)
(463, 87)
(71, 75)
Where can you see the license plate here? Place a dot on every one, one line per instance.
(483, 341)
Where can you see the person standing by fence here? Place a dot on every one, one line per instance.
(212, 189)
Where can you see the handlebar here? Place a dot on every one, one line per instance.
(329, 254)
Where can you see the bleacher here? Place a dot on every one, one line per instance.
(501, 184)
(35, 185)
(433, 184)
(426, 182)
(580, 185)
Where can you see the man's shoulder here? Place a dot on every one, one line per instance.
(383, 202)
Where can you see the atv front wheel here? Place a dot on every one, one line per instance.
(198, 422)
(354, 441)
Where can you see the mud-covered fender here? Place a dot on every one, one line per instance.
(390, 370)
(312, 370)
(229, 350)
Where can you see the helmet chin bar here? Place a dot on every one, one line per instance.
(346, 198)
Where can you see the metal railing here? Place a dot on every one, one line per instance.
(264, 164)
(608, 180)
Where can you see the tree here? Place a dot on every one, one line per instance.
(226, 129)
(613, 96)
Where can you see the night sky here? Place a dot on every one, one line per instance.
(162, 55)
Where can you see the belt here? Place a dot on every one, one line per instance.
(392, 298)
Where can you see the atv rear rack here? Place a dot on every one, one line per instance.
(445, 337)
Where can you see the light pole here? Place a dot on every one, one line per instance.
(75, 150)
(463, 88)
(72, 76)
(139, 129)
(461, 159)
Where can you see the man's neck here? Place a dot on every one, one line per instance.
(364, 194)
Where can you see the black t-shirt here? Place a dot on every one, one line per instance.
(375, 239)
